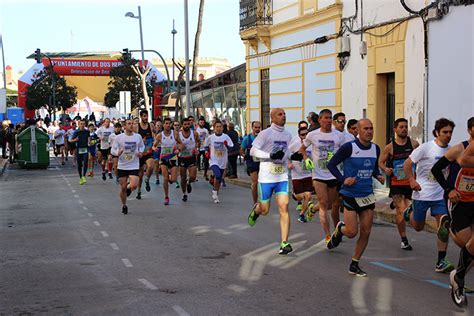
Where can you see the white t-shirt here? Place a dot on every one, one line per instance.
(131, 145)
(59, 136)
(218, 149)
(104, 134)
(299, 170)
(70, 133)
(203, 135)
(348, 137)
(425, 156)
(51, 130)
(271, 140)
(112, 138)
(324, 146)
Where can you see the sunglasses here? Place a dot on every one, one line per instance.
(340, 121)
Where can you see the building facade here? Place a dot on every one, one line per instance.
(208, 67)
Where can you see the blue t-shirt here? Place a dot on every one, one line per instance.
(247, 145)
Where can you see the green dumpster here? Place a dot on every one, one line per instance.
(33, 148)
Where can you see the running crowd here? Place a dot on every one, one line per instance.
(332, 164)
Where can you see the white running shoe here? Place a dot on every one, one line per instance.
(215, 197)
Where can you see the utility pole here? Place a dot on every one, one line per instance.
(186, 53)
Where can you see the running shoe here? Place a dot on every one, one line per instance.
(129, 191)
(110, 176)
(147, 185)
(117, 179)
(139, 196)
(444, 266)
(252, 218)
(302, 218)
(309, 215)
(299, 207)
(63, 163)
(185, 198)
(84, 180)
(405, 246)
(285, 248)
(443, 228)
(81, 181)
(189, 188)
(336, 236)
(407, 212)
(177, 185)
(104, 177)
(215, 197)
(92, 174)
(354, 269)
(457, 290)
(157, 181)
(167, 201)
(125, 209)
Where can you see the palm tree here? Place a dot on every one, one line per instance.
(196, 40)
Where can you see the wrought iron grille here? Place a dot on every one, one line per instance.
(255, 12)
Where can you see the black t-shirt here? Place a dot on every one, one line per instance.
(83, 138)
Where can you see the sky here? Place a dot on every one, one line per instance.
(101, 25)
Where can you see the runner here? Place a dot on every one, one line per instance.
(104, 133)
(93, 139)
(128, 147)
(156, 153)
(59, 140)
(187, 157)
(325, 141)
(360, 159)
(113, 136)
(252, 166)
(146, 161)
(52, 128)
(467, 159)
(81, 139)
(271, 147)
(391, 162)
(71, 146)
(459, 191)
(168, 142)
(203, 132)
(177, 129)
(217, 145)
(301, 177)
(427, 193)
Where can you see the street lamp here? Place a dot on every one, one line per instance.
(173, 31)
(139, 17)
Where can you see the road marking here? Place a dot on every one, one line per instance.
(81, 202)
(114, 246)
(127, 263)
(148, 284)
(237, 288)
(386, 266)
(104, 234)
(438, 283)
(96, 223)
(201, 229)
(357, 295)
(76, 196)
(223, 231)
(89, 214)
(84, 208)
(384, 299)
(181, 312)
(73, 191)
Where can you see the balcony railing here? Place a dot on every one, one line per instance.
(255, 12)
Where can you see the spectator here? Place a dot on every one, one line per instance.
(47, 120)
(3, 139)
(92, 118)
(233, 152)
(11, 140)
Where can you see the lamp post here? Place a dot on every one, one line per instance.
(186, 53)
(139, 17)
(173, 31)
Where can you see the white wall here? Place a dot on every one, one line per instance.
(451, 69)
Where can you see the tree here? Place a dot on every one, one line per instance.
(196, 40)
(40, 93)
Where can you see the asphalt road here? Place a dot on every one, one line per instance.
(67, 249)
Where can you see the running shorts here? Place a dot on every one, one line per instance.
(330, 183)
(266, 190)
(420, 208)
(302, 185)
(351, 204)
(169, 163)
(125, 173)
(218, 172)
(105, 153)
(403, 190)
(187, 162)
(462, 216)
(253, 167)
(144, 159)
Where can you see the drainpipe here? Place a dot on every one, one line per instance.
(425, 86)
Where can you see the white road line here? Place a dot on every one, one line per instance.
(84, 208)
(127, 263)
(73, 191)
(358, 296)
(114, 246)
(104, 234)
(237, 288)
(148, 284)
(223, 231)
(384, 299)
(76, 196)
(89, 214)
(81, 202)
(96, 223)
(181, 312)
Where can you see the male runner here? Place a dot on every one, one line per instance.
(177, 129)
(104, 133)
(168, 141)
(271, 147)
(93, 139)
(360, 159)
(427, 193)
(203, 133)
(339, 122)
(113, 136)
(81, 139)
(459, 190)
(391, 162)
(217, 145)
(352, 127)
(325, 141)
(71, 146)
(187, 157)
(252, 166)
(59, 139)
(156, 153)
(467, 159)
(146, 161)
(128, 147)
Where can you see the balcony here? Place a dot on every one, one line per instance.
(255, 13)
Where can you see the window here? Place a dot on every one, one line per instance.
(265, 97)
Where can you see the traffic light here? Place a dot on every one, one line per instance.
(38, 56)
(126, 55)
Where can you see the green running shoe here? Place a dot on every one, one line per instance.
(285, 248)
(299, 207)
(443, 228)
(407, 212)
(252, 219)
(444, 266)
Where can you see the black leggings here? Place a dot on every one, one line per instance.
(203, 160)
(82, 160)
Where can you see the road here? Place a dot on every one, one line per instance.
(67, 249)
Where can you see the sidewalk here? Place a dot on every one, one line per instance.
(382, 206)
(3, 165)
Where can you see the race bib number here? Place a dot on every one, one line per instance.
(466, 184)
(186, 153)
(399, 173)
(219, 153)
(323, 164)
(128, 156)
(167, 151)
(277, 169)
(82, 151)
(364, 201)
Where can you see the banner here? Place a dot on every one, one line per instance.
(82, 67)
